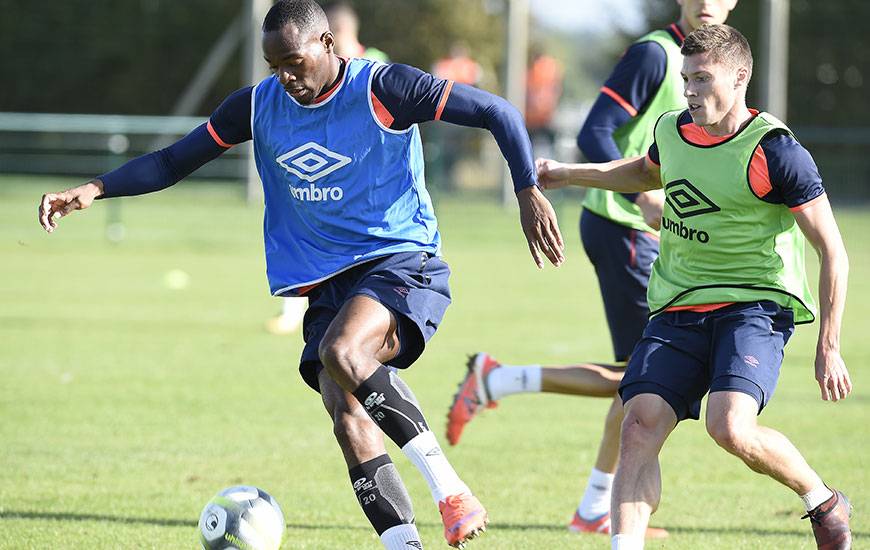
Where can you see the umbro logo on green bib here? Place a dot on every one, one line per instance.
(686, 200)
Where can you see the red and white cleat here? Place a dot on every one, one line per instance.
(471, 396)
(464, 518)
(601, 525)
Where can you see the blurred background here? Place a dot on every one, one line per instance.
(139, 379)
(88, 77)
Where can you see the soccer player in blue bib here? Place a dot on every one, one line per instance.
(349, 224)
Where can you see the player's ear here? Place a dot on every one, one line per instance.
(742, 79)
(328, 41)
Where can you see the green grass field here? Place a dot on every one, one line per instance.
(126, 405)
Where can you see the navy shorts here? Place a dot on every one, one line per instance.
(623, 259)
(685, 354)
(412, 285)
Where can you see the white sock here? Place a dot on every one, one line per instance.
(817, 496)
(596, 499)
(400, 537)
(626, 542)
(425, 453)
(509, 379)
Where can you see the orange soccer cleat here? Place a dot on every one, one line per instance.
(471, 396)
(601, 524)
(464, 518)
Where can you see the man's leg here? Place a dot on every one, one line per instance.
(361, 338)
(376, 482)
(637, 486)
(732, 422)
(487, 381)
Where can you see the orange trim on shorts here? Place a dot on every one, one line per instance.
(381, 112)
(303, 290)
(618, 99)
(809, 203)
(216, 137)
(443, 101)
(701, 308)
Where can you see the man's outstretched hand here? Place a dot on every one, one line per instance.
(57, 205)
(538, 220)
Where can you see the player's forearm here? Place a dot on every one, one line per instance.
(833, 279)
(476, 108)
(622, 176)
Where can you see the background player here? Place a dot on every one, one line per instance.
(728, 287)
(326, 132)
(618, 237)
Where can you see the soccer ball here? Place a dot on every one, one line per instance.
(241, 518)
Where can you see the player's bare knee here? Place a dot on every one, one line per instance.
(731, 436)
(637, 433)
(342, 361)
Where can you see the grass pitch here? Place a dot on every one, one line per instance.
(126, 404)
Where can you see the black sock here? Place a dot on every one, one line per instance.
(381, 493)
(390, 403)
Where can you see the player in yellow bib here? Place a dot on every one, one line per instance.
(728, 286)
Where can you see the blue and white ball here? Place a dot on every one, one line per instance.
(241, 518)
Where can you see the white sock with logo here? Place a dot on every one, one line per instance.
(401, 537)
(626, 542)
(426, 454)
(596, 499)
(817, 496)
(509, 379)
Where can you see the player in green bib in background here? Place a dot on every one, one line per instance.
(728, 287)
(620, 239)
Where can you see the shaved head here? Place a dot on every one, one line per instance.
(306, 15)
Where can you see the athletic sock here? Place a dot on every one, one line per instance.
(390, 403)
(626, 542)
(425, 453)
(382, 495)
(401, 537)
(596, 499)
(816, 497)
(508, 379)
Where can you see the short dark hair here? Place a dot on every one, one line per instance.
(303, 14)
(722, 42)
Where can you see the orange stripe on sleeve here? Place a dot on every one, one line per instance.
(216, 137)
(809, 203)
(381, 112)
(759, 177)
(618, 99)
(443, 101)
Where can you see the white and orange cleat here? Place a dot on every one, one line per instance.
(601, 525)
(464, 518)
(471, 396)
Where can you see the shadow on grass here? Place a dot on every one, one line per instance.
(168, 522)
(162, 522)
(672, 529)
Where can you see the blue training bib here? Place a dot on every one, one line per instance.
(340, 188)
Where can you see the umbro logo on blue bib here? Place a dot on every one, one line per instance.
(311, 161)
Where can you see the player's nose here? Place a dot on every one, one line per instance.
(285, 77)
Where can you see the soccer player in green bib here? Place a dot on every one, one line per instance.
(728, 286)
(619, 236)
